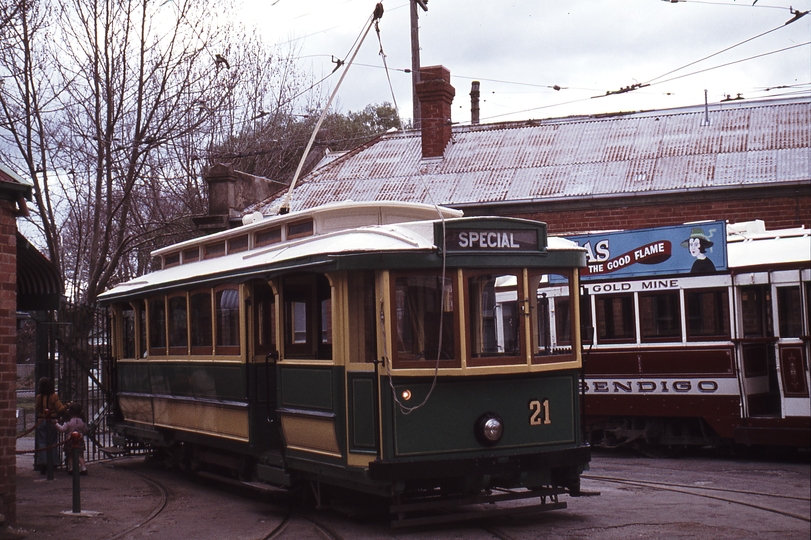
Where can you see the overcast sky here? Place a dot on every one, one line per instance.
(519, 49)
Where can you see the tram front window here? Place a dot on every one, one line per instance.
(551, 315)
(424, 320)
(494, 316)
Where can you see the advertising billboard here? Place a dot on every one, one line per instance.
(698, 248)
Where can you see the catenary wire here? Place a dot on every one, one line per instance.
(649, 81)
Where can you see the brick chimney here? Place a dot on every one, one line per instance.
(436, 95)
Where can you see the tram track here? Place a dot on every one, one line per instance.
(283, 529)
(163, 499)
(696, 491)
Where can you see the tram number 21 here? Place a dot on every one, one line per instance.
(540, 412)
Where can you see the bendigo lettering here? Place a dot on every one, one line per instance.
(649, 387)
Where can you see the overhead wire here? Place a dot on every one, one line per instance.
(735, 62)
(715, 53)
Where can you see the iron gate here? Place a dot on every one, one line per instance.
(75, 351)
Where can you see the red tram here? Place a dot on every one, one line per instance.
(700, 336)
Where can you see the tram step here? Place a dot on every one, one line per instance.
(261, 486)
(475, 514)
(114, 450)
(273, 475)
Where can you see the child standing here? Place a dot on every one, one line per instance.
(75, 422)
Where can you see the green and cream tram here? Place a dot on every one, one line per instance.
(396, 349)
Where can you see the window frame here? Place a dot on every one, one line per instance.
(415, 363)
(311, 289)
(229, 349)
(567, 346)
(152, 334)
(691, 337)
(175, 350)
(679, 316)
(522, 338)
(600, 312)
(202, 350)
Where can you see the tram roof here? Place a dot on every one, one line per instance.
(750, 244)
(319, 250)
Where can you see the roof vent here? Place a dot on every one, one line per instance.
(253, 217)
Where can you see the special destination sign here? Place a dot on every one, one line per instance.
(491, 240)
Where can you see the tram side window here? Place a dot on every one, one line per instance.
(756, 311)
(362, 317)
(615, 319)
(494, 316)
(201, 322)
(707, 314)
(227, 321)
(789, 312)
(424, 320)
(178, 325)
(128, 331)
(660, 316)
(308, 317)
(551, 315)
(157, 326)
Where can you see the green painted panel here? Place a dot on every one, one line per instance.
(445, 424)
(306, 387)
(133, 378)
(362, 417)
(201, 380)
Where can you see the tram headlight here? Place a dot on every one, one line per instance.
(489, 429)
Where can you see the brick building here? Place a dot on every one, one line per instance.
(13, 192)
(736, 161)
(28, 281)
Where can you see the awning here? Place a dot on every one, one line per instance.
(39, 286)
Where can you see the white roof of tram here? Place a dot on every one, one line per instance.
(750, 244)
(339, 228)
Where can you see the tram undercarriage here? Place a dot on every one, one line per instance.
(653, 436)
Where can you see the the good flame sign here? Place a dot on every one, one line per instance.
(653, 253)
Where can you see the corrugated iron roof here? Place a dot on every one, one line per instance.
(745, 144)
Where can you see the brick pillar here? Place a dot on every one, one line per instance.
(436, 96)
(8, 363)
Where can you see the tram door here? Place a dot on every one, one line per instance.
(362, 383)
(262, 363)
(756, 349)
(791, 327)
(772, 326)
